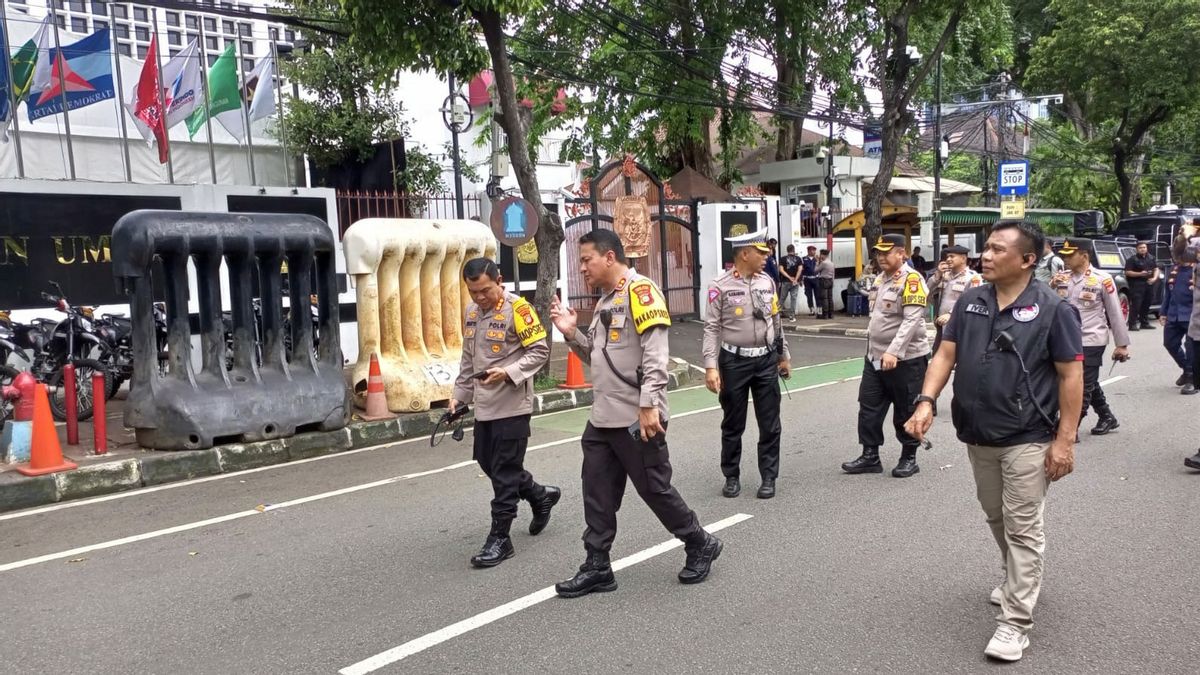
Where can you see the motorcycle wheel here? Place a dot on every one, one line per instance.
(7, 375)
(83, 389)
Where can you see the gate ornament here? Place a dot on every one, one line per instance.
(632, 224)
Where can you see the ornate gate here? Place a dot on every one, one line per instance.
(669, 253)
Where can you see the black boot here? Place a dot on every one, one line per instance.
(497, 548)
(767, 489)
(700, 558)
(867, 462)
(1106, 423)
(541, 508)
(595, 575)
(907, 465)
(1193, 462)
(733, 487)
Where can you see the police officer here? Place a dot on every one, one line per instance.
(744, 352)
(825, 277)
(626, 346)
(504, 346)
(951, 279)
(1186, 248)
(1094, 293)
(897, 354)
(1010, 341)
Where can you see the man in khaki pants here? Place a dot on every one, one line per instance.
(1018, 350)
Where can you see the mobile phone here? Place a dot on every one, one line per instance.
(480, 375)
(635, 430)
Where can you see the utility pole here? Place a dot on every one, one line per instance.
(937, 161)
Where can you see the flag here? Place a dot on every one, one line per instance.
(259, 92)
(223, 92)
(83, 70)
(6, 107)
(26, 59)
(146, 104)
(181, 90)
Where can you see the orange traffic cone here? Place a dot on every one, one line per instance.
(45, 455)
(575, 378)
(376, 399)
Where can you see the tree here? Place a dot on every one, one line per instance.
(1129, 66)
(443, 35)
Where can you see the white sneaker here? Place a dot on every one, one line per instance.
(995, 596)
(1007, 644)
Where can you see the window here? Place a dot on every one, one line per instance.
(172, 18)
(143, 50)
(274, 33)
(99, 8)
(62, 22)
(228, 41)
(120, 11)
(244, 29)
(192, 22)
(211, 42)
(99, 25)
(142, 33)
(289, 36)
(247, 65)
(193, 37)
(79, 25)
(77, 6)
(175, 52)
(123, 47)
(122, 31)
(174, 37)
(227, 27)
(212, 58)
(247, 47)
(210, 24)
(140, 14)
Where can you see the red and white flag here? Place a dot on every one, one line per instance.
(146, 105)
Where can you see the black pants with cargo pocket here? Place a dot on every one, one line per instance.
(881, 389)
(500, 450)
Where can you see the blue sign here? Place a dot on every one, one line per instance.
(514, 221)
(1013, 178)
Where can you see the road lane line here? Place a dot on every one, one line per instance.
(492, 615)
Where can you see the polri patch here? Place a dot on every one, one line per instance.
(713, 294)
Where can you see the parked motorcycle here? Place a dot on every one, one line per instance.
(72, 340)
(11, 358)
(227, 320)
(116, 330)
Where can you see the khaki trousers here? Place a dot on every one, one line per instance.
(1011, 485)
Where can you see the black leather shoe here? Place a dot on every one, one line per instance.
(1182, 380)
(1148, 326)
(1193, 462)
(867, 462)
(906, 467)
(1106, 424)
(767, 489)
(595, 575)
(1134, 328)
(1188, 389)
(496, 550)
(541, 509)
(733, 487)
(700, 560)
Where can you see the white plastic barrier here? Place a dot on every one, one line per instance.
(408, 277)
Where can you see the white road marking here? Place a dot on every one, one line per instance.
(492, 615)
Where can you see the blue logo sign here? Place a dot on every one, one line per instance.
(514, 221)
(1014, 178)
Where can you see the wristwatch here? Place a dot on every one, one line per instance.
(922, 398)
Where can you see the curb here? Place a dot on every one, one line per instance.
(158, 467)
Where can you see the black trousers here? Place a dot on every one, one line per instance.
(1139, 304)
(810, 292)
(1179, 346)
(825, 288)
(609, 457)
(741, 376)
(1093, 393)
(1195, 363)
(896, 388)
(500, 450)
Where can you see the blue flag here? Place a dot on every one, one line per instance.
(83, 70)
(6, 108)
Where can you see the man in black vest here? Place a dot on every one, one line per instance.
(1017, 352)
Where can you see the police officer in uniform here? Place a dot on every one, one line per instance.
(504, 346)
(626, 346)
(744, 352)
(1094, 293)
(952, 278)
(897, 354)
(1015, 349)
(1186, 248)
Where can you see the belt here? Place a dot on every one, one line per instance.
(745, 351)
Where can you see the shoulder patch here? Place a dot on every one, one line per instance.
(527, 324)
(713, 294)
(976, 280)
(647, 306)
(1109, 286)
(914, 290)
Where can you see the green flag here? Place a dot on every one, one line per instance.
(224, 94)
(24, 61)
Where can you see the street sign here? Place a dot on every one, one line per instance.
(873, 141)
(1012, 210)
(514, 221)
(1014, 178)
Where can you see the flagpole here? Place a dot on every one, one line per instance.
(245, 111)
(203, 56)
(162, 104)
(121, 112)
(278, 93)
(62, 86)
(12, 92)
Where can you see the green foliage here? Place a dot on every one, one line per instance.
(960, 166)
(1069, 173)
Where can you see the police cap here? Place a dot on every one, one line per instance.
(756, 239)
(889, 241)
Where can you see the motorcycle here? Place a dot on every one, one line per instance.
(227, 320)
(116, 330)
(9, 350)
(73, 340)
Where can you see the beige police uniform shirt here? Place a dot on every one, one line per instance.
(952, 287)
(635, 337)
(826, 270)
(508, 336)
(732, 300)
(1094, 294)
(897, 324)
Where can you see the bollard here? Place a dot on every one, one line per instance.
(99, 419)
(70, 393)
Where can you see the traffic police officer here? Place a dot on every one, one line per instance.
(504, 346)
(897, 354)
(952, 278)
(1094, 293)
(744, 352)
(626, 346)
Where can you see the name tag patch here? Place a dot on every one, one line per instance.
(974, 308)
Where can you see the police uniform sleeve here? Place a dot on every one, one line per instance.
(535, 350)
(651, 319)
(914, 300)
(581, 344)
(712, 326)
(464, 386)
(1112, 312)
(1066, 335)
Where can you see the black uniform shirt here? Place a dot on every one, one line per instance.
(992, 403)
(1139, 263)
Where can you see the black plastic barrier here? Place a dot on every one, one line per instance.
(276, 376)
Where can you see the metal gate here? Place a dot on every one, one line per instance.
(673, 256)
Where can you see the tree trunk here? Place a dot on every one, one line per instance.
(549, 236)
(1120, 159)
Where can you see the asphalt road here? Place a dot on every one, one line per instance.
(321, 566)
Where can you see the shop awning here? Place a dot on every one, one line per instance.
(986, 216)
(894, 217)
